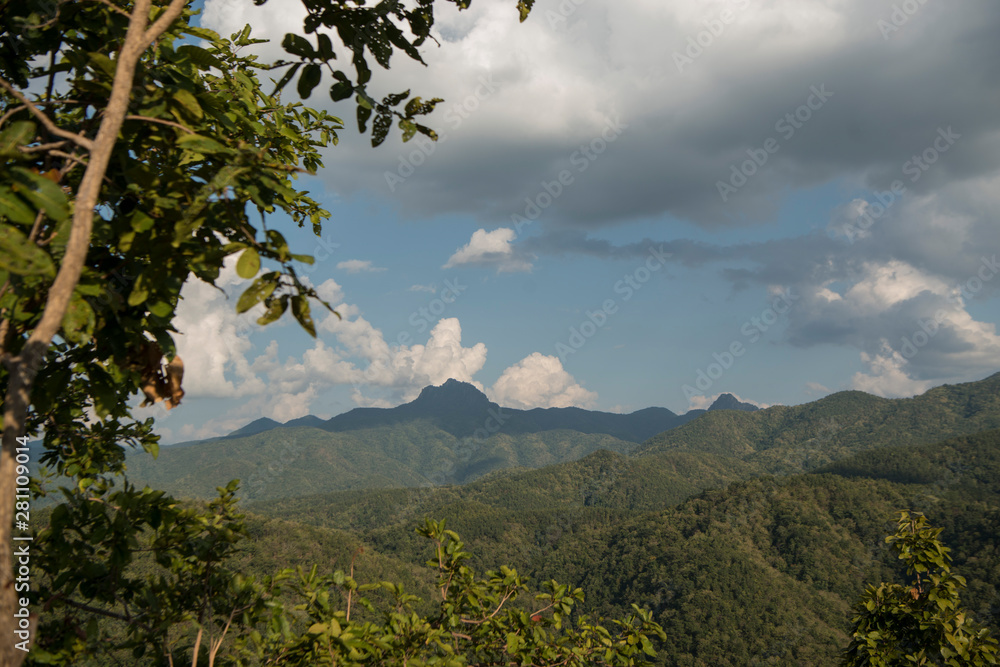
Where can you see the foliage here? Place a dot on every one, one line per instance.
(132, 160)
(922, 622)
(157, 585)
(755, 572)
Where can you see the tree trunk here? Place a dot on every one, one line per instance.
(24, 367)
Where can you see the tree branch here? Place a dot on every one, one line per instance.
(93, 610)
(161, 121)
(24, 368)
(78, 139)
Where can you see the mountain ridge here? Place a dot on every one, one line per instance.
(462, 410)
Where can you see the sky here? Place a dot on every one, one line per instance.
(638, 203)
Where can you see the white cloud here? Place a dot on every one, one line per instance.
(489, 249)
(887, 375)
(330, 291)
(422, 288)
(540, 381)
(816, 388)
(358, 266)
(213, 340)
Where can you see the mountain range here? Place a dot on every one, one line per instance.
(461, 409)
(450, 434)
(747, 533)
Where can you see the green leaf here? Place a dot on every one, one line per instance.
(41, 192)
(300, 309)
(274, 311)
(201, 144)
(13, 207)
(188, 102)
(139, 292)
(18, 134)
(409, 129)
(341, 91)
(248, 264)
(311, 76)
(20, 256)
(79, 321)
(380, 128)
(298, 46)
(199, 56)
(161, 309)
(203, 33)
(287, 77)
(364, 113)
(257, 292)
(524, 8)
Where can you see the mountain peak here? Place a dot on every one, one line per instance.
(730, 402)
(454, 394)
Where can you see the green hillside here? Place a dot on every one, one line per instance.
(760, 572)
(783, 440)
(301, 461)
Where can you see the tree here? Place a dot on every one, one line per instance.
(156, 588)
(922, 622)
(132, 161)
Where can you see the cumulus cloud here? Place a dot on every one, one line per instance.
(213, 340)
(490, 249)
(403, 369)
(603, 62)
(330, 291)
(540, 381)
(816, 388)
(358, 266)
(887, 375)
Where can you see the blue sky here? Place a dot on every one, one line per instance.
(774, 199)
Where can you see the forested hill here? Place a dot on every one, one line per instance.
(450, 434)
(758, 572)
(784, 439)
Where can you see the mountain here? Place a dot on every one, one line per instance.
(730, 402)
(409, 448)
(254, 427)
(460, 409)
(784, 440)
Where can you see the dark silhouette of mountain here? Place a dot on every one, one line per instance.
(730, 402)
(254, 427)
(462, 410)
(308, 420)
